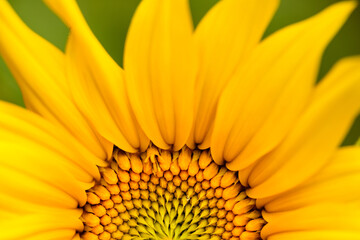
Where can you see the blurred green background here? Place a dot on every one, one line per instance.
(109, 20)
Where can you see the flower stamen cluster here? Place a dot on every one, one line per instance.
(169, 195)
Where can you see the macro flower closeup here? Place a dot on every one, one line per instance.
(206, 133)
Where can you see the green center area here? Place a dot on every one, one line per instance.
(176, 215)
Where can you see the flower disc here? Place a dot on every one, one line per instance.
(169, 195)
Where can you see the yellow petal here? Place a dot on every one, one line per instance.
(61, 234)
(344, 162)
(97, 82)
(159, 67)
(338, 182)
(41, 159)
(12, 206)
(316, 135)
(24, 227)
(317, 235)
(224, 38)
(317, 217)
(39, 69)
(50, 57)
(244, 174)
(278, 78)
(22, 185)
(22, 124)
(33, 160)
(6, 214)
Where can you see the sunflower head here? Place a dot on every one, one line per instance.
(207, 133)
(169, 195)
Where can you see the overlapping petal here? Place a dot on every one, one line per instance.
(39, 68)
(338, 182)
(17, 124)
(278, 78)
(97, 82)
(160, 65)
(39, 159)
(316, 135)
(44, 173)
(317, 235)
(224, 38)
(325, 218)
(53, 225)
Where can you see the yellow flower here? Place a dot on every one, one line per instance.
(209, 133)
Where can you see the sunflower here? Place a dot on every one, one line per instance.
(212, 133)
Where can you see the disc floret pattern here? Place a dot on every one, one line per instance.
(163, 195)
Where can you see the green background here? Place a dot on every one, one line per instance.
(109, 20)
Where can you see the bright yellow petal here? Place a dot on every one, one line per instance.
(33, 160)
(224, 38)
(5, 213)
(41, 166)
(317, 235)
(61, 234)
(244, 174)
(325, 216)
(344, 162)
(22, 124)
(338, 182)
(97, 82)
(22, 185)
(278, 77)
(12, 206)
(50, 57)
(39, 68)
(316, 135)
(159, 67)
(32, 225)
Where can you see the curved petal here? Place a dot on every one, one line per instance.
(33, 226)
(62, 234)
(50, 57)
(316, 235)
(278, 77)
(33, 160)
(316, 135)
(44, 173)
(41, 164)
(39, 69)
(97, 82)
(317, 217)
(339, 182)
(19, 124)
(13, 206)
(22, 185)
(159, 64)
(224, 38)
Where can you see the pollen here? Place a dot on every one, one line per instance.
(164, 195)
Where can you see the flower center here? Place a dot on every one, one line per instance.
(163, 195)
